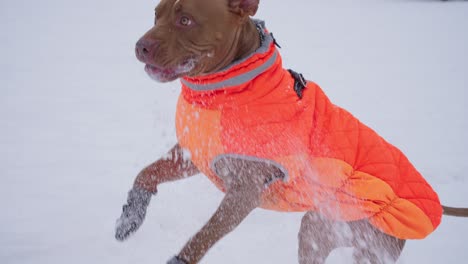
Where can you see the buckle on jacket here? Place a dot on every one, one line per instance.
(300, 83)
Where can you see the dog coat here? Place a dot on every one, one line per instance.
(333, 163)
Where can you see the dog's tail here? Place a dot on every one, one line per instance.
(452, 211)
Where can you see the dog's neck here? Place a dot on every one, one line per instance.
(248, 42)
(245, 42)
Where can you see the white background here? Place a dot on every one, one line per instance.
(79, 119)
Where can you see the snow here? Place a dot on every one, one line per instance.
(80, 118)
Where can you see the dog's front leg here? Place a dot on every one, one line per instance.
(245, 181)
(174, 166)
(232, 211)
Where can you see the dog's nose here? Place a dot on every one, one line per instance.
(145, 49)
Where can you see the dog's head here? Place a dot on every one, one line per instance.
(193, 37)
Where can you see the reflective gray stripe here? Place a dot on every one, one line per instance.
(235, 81)
(250, 158)
(264, 45)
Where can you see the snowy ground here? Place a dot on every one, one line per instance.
(80, 118)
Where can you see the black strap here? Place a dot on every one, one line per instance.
(274, 41)
(300, 83)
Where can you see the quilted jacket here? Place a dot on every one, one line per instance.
(333, 163)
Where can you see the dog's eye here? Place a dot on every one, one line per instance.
(185, 21)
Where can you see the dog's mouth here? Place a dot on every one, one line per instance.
(167, 74)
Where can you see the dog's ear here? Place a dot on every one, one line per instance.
(244, 7)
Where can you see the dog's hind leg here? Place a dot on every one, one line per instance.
(373, 246)
(319, 236)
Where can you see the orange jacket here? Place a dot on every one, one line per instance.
(334, 164)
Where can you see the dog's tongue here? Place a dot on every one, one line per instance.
(169, 74)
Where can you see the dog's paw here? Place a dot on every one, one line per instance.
(133, 214)
(176, 260)
(127, 225)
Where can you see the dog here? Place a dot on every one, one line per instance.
(269, 138)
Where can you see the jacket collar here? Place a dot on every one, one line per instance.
(239, 72)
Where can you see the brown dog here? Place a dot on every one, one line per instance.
(194, 38)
